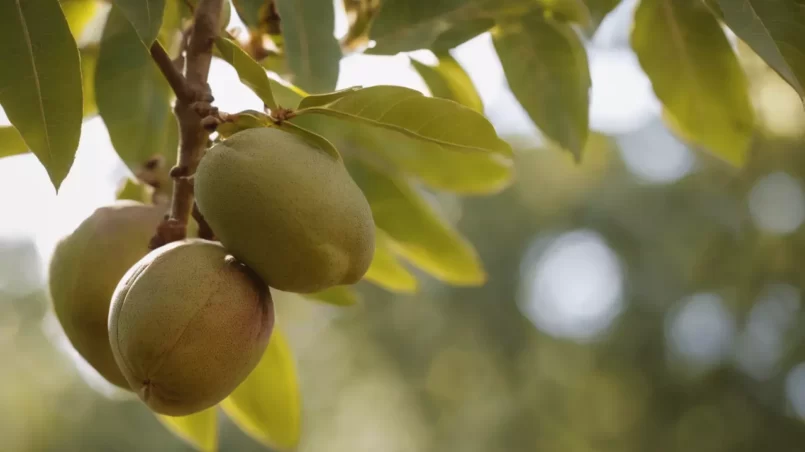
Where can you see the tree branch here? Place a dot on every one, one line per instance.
(191, 108)
(175, 78)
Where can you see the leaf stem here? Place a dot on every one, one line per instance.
(193, 104)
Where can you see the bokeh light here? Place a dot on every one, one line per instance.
(701, 330)
(574, 287)
(777, 203)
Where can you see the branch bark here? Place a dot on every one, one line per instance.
(193, 104)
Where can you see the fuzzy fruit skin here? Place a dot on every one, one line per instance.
(188, 323)
(85, 269)
(289, 211)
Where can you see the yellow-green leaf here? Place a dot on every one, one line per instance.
(144, 15)
(133, 97)
(696, 75)
(437, 166)
(338, 296)
(546, 66)
(79, 13)
(416, 231)
(448, 80)
(312, 50)
(774, 30)
(287, 95)
(133, 190)
(249, 71)
(11, 142)
(267, 404)
(89, 61)
(386, 270)
(40, 83)
(438, 121)
(200, 430)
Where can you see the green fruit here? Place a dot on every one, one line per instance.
(289, 211)
(85, 269)
(188, 323)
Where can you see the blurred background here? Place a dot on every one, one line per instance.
(648, 298)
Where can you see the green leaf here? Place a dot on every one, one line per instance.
(79, 13)
(314, 139)
(200, 430)
(267, 404)
(40, 83)
(89, 61)
(437, 166)
(250, 11)
(599, 9)
(695, 74)
(448, 80)
(317, 100)
(546, 67)
(406, 25)
(248, 119)
(441, 122)
(144, 15)
(460, 34)
(133, 190)
(416, 231)
(11, 142)
(774, 30)
(249, 71)
(133, 97)
(338, 296)
(386, 270)
(286, 95)
(312, 50)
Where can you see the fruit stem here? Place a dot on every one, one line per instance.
(193, 104)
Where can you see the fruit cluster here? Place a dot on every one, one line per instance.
(183, 325)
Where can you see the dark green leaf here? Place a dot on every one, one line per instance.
(267, 404)
(775, 29)
(40, 83)
(337, 296)
(133, 97)
(312, 50)
(416, 231)
(546, 66)
(695, 74)
(437, 121)
(448, 80)
(200, 430)
(144, 15)
(386, 270)
(249, 71)
(11, 142)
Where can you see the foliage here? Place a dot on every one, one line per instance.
(396, 142)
